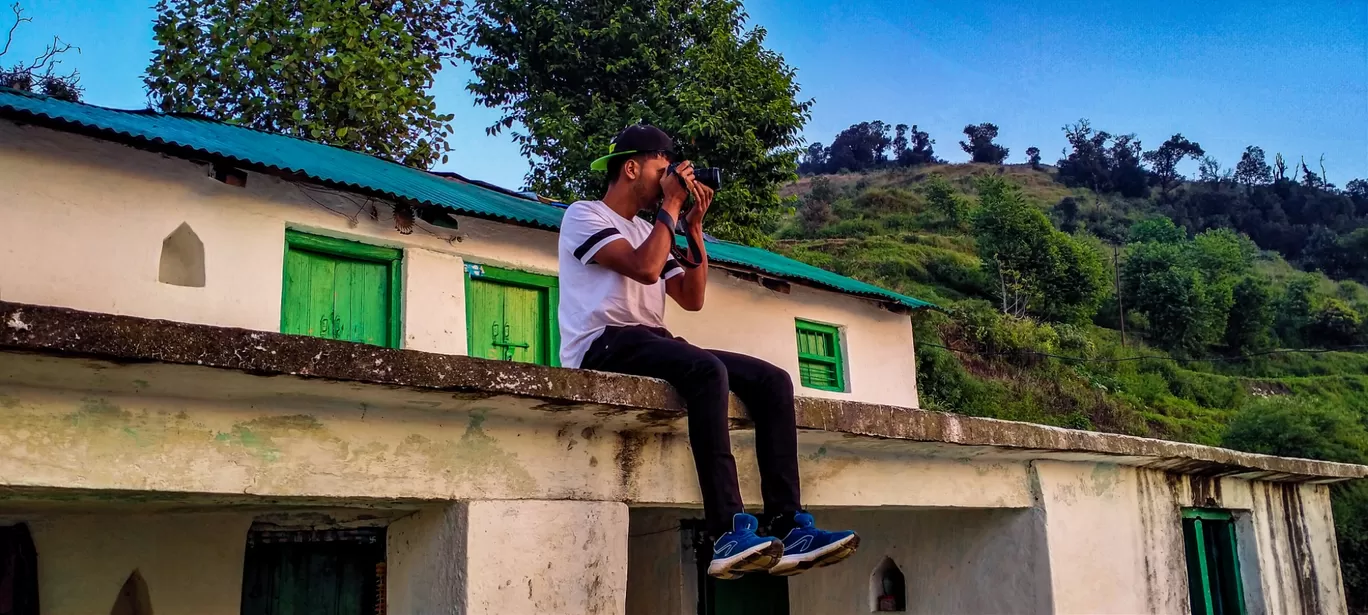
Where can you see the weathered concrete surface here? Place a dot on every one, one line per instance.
(192, 563)
(965, 561)
(1295, 548)
(122, 339)
(1120, 527)
(953, 561)
(425, 561)
(557, 558)
(170, 430)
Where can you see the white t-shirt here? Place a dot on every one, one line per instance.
(592, 296)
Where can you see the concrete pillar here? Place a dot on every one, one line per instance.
(510, 556)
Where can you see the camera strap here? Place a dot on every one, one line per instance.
(690, 259)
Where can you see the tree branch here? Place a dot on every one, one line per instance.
(18, 19)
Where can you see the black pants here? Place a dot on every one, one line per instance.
(703, 378)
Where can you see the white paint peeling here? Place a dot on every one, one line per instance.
(16, 321)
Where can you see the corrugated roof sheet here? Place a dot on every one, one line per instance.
(340, 168)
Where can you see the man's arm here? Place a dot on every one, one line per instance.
(688, 290)
(646, 263)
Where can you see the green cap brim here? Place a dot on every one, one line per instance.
(602, 163)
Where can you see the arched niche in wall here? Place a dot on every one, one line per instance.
(182, 258)
(133, 598)
(887, 588)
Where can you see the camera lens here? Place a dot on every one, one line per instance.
(710, 177)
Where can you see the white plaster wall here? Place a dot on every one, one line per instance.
(192, 563)
(970, 561)
(422, 445)
(1296, 551)
(1108, 553)
(425, 562)
(82, 223)
(552, 558)
(953, 561)
(1121, 528)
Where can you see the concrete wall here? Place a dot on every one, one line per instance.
(192, 563)
(82, 224)
(953, 561)
(1120, 528)
(383, 443)
(961, 561)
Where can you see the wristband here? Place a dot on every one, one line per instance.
(662, 216)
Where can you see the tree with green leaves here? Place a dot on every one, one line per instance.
(942, 198)
(1334, 324)
(572, 74)
(1157, 228)
(1294, 310)
(1164, 161)
(1251, 316)
(1252, 170)
(1033, 157)
(350, 73)
(1185, 288)
(1102, 161)
(1039, 270)
(980, 145)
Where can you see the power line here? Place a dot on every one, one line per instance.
(1152, 357)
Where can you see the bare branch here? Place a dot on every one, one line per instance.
(18, 19)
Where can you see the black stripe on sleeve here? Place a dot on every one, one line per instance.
(592, 241)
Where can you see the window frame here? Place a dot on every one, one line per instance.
(525, 279)
(392, 258)
(1205, 559)
(837, 360)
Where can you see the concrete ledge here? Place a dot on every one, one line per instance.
(125, 339)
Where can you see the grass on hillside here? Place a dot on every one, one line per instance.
(883, 232)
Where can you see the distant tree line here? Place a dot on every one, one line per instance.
(1291, 209)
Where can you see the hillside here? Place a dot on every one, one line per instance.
(921, 231)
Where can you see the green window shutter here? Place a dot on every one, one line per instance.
(511, 315)
(328, 572)
(820, 364)
(1214, 585)
(340, 290)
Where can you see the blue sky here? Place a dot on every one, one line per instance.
(1291, 77)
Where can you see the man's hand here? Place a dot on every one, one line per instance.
(703, 197)
(676, 193)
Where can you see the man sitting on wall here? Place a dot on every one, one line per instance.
(615, 271)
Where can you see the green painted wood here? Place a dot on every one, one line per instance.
(1212, 550)
(511, 315)
(310, 578)
(753, 594)
(341, 247)
(484, 318)
(820, 364)
(524, 326)
(340, 290)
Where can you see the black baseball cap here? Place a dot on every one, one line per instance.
(635, 139)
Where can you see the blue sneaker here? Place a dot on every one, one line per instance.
(742, 550)
(806, 547)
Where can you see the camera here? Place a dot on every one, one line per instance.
(710, 176)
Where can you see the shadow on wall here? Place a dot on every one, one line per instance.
(18, 571)
(182, 258)
(134, 598)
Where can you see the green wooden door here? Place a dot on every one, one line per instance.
(753, 594)
(337, 290)
(312, 577)
(510, 316)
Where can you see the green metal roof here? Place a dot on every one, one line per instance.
(333, 166)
